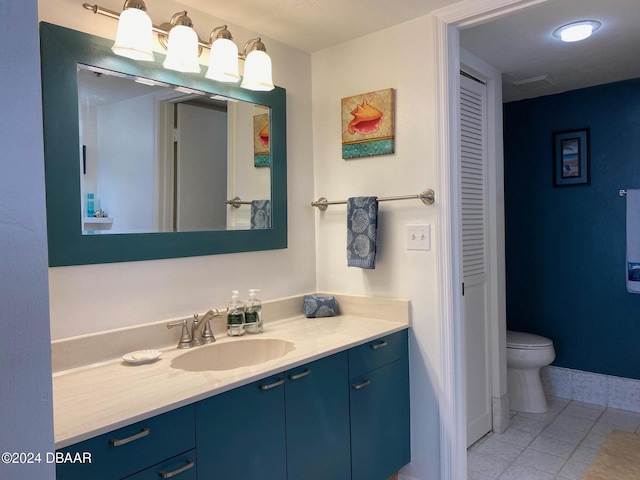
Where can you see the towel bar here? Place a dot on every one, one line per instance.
(427, 197)
(235, 202)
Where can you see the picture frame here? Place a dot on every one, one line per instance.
(571, 158)
(368, 124)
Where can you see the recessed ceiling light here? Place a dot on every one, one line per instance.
(574, 32)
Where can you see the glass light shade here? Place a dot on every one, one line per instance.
(223, 61)
(182, 50)
(257, 72)
(134, 37)
(574, 32)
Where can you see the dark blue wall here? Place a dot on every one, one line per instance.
(565, 246)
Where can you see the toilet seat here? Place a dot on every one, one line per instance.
(527, 341)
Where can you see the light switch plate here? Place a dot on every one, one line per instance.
(418, 237)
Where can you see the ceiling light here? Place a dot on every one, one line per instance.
(576, 31)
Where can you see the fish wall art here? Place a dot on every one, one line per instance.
(368, 124)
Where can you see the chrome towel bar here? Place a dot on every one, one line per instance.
(427, 197)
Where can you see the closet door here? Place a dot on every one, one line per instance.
(473, 147)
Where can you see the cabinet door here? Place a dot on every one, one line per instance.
(182, 467)
(240, 434)
(317, 413)
(378, 426)
(131, 449)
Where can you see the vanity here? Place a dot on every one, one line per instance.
(335, 406)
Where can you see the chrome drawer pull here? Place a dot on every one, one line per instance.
(190, 464)
(379, 345)
(307, 371)
(361, 385)
(272, 385)
(116, 442)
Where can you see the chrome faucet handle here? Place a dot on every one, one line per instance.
(201, 331)
(207, 334)
(185, 338)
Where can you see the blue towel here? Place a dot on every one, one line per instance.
(362, 226)
(260, 214)
(316, 306)
(633, 241)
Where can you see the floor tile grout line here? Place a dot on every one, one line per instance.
(564, 409)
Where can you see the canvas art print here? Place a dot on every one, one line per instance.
(368, 125)
(261, 135)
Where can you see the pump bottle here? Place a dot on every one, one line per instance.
(253, 313)
(235, 316)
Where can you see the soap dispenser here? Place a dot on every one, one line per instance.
(235, 316)
(253, 313)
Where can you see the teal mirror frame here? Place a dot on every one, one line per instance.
(61, 49)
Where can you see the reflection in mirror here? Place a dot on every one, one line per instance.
(160, 158)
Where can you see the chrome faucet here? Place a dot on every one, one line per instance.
(201, 332)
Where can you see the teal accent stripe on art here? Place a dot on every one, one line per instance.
(261, 160)
(368, 149)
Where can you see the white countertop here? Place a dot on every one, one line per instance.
(96, 399)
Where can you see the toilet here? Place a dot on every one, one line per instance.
(526, 354)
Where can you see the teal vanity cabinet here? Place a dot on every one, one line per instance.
(317, 419)
(292, 426)
(182, 467)
(241, 433)
(132, 449)
(379, 399)
(342, 417)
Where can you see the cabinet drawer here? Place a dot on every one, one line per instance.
(182, 467)
(377, 353)
(131, 449)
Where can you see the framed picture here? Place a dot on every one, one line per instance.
(571, 158)
(368, 124)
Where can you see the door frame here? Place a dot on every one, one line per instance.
(446, 43)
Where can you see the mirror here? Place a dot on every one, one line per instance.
(66, 56)
(159, 158)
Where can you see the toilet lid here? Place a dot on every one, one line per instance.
(526, 340)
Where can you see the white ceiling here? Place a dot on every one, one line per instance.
(521, 45)
(313, 25)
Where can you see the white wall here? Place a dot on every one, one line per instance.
(93, 298)
(25, 351)
(386, 59)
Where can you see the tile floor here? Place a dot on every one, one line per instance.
(557, 445)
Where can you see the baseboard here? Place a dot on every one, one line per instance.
(500, 407)
(594, 388)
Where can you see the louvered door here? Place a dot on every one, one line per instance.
(474, 250)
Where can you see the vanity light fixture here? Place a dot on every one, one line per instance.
(134, 37)
(257, 67)
(184, 47)
(576, 31)
(223, 59)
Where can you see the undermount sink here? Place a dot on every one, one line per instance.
(234, 354)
